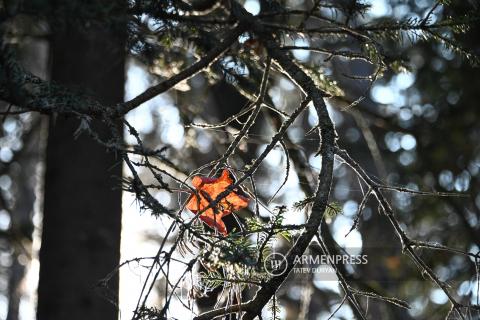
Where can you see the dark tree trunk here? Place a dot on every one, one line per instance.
(82, 208)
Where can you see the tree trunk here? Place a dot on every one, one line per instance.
(82, 208)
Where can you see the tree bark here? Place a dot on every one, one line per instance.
(82, 202)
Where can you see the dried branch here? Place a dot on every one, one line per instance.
(407, 243)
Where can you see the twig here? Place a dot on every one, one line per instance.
(405, 240)
(250, 121)
(198, 66)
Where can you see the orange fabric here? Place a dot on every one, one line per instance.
(208, 189)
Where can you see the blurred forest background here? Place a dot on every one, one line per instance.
(63, 212)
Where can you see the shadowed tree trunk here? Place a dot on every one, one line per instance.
(82, 209)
